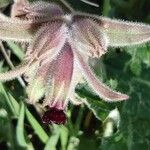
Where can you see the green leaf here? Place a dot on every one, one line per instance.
(10, 102)
(134, 131)
(106, 7)
(136, 67)
(53, 140)
(37, 127)
(16, 50)
(20, 128)
(4, 3)
(64, 133)
(3, 123)
(7, 130)
(14, 103)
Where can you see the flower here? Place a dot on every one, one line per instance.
(60, 64)
(57, 57)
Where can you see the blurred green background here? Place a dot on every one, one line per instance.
(91, 126)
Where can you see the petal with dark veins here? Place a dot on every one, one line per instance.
(88, 37)
(60, 76)
(43, 52)
(48, 41)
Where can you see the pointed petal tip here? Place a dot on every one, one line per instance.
(118, 97)
(123, 97)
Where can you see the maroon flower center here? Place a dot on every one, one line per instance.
(54, 115)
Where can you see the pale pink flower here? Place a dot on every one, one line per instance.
(59, 47)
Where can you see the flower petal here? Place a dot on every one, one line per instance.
(35, 90)
(76, 78)
(36, 85)
(102, 90)
(60, 76)
(121, 33)
(38, 79)
(15, 29)
(17, 8)
(23, 29)
(88, 38)
(48, 41)
(36, 10)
